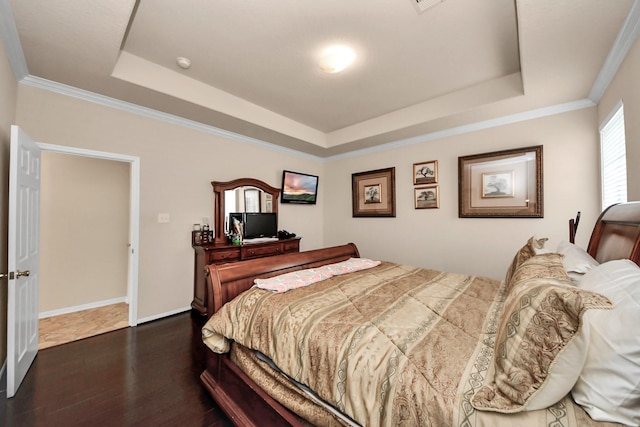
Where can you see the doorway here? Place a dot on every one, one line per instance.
(83, 234)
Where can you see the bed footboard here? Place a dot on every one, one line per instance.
(244, 402)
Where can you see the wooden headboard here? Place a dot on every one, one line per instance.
(226, 281)
(616, 234)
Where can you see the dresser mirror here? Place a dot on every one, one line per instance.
(241, 195)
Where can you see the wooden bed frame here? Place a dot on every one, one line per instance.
(616, 235)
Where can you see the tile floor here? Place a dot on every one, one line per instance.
(82, 324)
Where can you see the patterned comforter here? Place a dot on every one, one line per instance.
(390, 346)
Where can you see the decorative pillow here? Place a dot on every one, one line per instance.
(540, 341)
(576, 260)
(531, 248)
(609, 386)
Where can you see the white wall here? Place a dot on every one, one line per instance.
(177, 165)
(437, 238)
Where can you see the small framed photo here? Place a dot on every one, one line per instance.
(425, 172)
(373, 193)
(427, 197)
(498, 184)
(504, 184)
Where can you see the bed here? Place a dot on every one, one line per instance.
(388, 344)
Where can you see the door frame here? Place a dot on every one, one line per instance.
(134, 214)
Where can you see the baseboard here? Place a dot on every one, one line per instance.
(166, 314)
(73, 309)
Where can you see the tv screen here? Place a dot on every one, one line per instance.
(260, 225)
(299, 188)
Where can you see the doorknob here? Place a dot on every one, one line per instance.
(18, 274)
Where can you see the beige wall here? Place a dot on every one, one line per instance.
(626, 87)
(437, 238)
(8, 97)
(177, 165)
(84, 230)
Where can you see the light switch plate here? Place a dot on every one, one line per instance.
(163, 218)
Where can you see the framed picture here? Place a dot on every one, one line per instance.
(373, 193)
(425, 172)
(501, 184)
(427, 197)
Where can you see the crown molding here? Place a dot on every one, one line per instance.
(625, 39)
(474, 127)
(191, 124)
(129, 107)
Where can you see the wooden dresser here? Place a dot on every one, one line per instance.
(216, 253)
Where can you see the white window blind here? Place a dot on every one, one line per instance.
(613, 156)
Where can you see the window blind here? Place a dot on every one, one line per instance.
(613, 159)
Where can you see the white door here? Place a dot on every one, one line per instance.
(24, 221)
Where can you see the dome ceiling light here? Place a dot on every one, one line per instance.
(336, 58)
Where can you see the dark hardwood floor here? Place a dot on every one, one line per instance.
(142, 376)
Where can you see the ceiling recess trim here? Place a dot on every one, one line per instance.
(422, 5)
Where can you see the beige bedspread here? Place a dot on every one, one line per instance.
(391, 346)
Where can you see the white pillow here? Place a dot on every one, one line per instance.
(576, 260)
(609, 385)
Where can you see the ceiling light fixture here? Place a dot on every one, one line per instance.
(183, 62)
(336, 58)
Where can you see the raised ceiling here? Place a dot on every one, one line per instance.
(255, 65)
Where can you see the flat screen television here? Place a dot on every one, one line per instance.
(255, 225)
(299, 188)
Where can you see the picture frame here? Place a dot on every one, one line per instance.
(426, 197)
(425, 172)
(373, 193)
(507, 184)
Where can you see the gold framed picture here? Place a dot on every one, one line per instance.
(425, 172)
(427, 197)
(506, 183)
(373, 193)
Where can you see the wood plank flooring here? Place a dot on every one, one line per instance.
(142, 376)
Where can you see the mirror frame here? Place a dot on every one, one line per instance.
(219, 187)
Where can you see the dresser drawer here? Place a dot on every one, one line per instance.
(231, 255)
(259, 251)
(292, 246)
